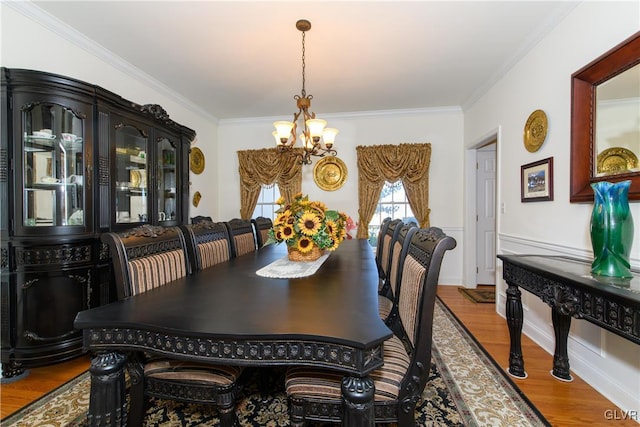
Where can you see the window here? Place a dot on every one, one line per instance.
(393, 203)
(266, 205)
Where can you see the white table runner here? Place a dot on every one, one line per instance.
(284, 268)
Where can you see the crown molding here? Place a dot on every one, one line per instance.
(353, 115)
(68, 33)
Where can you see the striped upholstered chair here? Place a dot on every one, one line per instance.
(379, 249)
(261, 225)
(315, 394)
(388, 239)
(208, 243)
(387, 304)
(200, 218)
(149, 257)
(243, 240)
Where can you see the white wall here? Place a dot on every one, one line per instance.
(440, 127)
(32, 39)
(542, 80)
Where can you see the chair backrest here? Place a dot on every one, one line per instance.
(420, 264)
(402, 239)
(388, 239)
(208, 243)
(380, 245)
(243, 240)
(262, 225)
(200, 218)
(147, 257)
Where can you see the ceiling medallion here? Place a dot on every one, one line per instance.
(315, 138)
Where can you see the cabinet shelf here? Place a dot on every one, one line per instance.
(125, 154)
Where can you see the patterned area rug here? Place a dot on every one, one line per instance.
(466, 388)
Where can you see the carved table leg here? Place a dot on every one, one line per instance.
(107, 404)
(514, 322)
(561, 325)
(357, 399)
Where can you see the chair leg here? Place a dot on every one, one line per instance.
(137, 399)
(296, 412)
(226, 405)
(407, 418)
(228, 417)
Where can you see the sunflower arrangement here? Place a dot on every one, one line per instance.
(306, 225)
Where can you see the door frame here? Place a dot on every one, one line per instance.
(470, 209)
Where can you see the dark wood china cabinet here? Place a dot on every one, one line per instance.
(75, 161)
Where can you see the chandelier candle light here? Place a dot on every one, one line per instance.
(316, 139)
(307, 227)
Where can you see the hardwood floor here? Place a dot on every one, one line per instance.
(563, 404)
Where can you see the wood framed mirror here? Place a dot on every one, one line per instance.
(608, 87)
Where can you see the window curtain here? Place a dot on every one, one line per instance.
(379, 163)
(265, 167)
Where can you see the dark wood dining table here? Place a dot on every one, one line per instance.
(227, 314)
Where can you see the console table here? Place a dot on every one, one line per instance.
(568, 287)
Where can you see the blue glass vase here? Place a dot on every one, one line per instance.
(611, 229)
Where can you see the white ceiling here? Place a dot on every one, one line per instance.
(239, 59)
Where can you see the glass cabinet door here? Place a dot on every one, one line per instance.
(131, 175)
(166, 180)
(53, 166)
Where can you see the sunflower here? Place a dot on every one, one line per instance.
(305, 244)
(331, 226)
(309, 223)
(287, 232)
(282, 217)
(334, 246)
(318, 205)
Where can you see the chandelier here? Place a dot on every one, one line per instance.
(315, 138)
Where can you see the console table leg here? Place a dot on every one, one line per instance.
(357, 399)
(561, 325)
(107, 404)
(514, 322)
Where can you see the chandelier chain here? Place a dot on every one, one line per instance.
(304, 92)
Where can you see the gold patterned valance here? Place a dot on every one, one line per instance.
(265, 167)
(378, 164)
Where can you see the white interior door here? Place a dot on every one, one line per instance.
(486, 215)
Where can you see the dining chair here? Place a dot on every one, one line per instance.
(208, 244)
(389, 236)
(200, 218)
(315, 394)
(387, 303)
(243, 239)
(145, 258)
(379, 247)
(262, 225)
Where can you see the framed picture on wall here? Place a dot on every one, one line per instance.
(536, 181)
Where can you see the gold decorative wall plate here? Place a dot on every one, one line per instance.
(330, 173)
(535, 131)
(196, 160)
(196, 198)
(616, 160)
